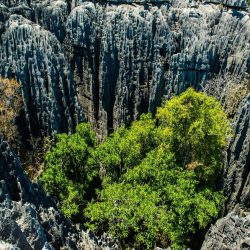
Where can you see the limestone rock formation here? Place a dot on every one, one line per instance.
(29, 219)
(35, 58)
(6, 246)
(233, 230)
(121, 58)
(109, 62)
(126, 58)
(237, 170)
(230, 232)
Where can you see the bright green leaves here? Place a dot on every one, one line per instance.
(131, 212)
(159, 177)
(159, 185)
(196, 129)
(125, 148)
(158, 197)
(67, 174)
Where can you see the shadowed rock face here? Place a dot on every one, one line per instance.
(29, 219)
(233, 230)
(126, 58)
(237, 170)
(121, 59)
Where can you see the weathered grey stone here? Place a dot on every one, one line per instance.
(237, 170)
(112, 62)
(125, 58)
(29, 219)
(122, 59)
(35, 58)
(233, 230)
(229, 3)
(6, 246)
(230, 232)
(52, 15)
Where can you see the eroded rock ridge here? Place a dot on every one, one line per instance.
(121, 58)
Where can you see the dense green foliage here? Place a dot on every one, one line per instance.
(125, 148)
(68, 175)
(156, 202)
(159, 177)
(160, 174)
(196, 128)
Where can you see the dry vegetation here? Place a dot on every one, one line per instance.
(229, 90)
(33, 158)
(32, 150)
(10, 106)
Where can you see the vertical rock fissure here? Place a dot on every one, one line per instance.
(96, 87)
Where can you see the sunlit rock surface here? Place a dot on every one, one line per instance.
(121, 58)
(230, 232)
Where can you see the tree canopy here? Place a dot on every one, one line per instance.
(161, 174)
(158, 177)
(68, 175)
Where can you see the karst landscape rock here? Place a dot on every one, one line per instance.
(108, 62)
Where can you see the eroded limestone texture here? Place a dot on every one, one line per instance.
(237, 170)
(126, 58)
(35, 58)
(29, 219)
(230, 232)
(120, 58)
(233, 230)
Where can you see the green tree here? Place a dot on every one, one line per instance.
(67, 174)
(158, 177)
(129, 212)
(196, 128)
(156, 202)
(125, 148)
(164, 186)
